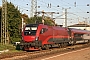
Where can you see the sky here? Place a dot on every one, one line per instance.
(76, 9)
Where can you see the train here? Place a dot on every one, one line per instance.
(40, 36)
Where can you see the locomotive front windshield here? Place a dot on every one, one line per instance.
(30, 30)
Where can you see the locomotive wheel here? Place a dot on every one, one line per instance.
(47, 47)
(88, 41)
(63, 44)
(40, 48)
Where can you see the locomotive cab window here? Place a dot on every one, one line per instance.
(30, 30)
(43, 30)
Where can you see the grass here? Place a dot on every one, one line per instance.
(10, 47)
(7, 46)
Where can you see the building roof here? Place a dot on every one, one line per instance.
(79, 25)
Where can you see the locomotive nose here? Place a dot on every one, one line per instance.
(29, 38)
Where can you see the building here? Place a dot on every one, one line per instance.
(81, 25)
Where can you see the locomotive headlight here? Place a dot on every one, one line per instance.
(36, 38)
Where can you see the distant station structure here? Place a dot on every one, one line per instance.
(81, 25)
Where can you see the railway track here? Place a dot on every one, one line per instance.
(34, 54)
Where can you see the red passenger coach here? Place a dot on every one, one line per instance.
(39, 36)
(80, 36)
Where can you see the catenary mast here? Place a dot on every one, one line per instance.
(4, 23)
(33, 8)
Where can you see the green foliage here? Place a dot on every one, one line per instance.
(14, 21)
(0, 13)
(4, 47)
(15, 39)
(34, 20)
(47, 20)
(0, 21)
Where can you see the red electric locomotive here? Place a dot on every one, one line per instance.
(39, 36)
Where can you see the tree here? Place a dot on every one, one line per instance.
(14, 21)
(34, 20)
(0, 21)
(48, 20)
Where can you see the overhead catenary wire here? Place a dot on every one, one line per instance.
(71, 4)
(54, 6)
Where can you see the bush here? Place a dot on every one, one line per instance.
(13, 40)
(7, 46)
